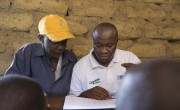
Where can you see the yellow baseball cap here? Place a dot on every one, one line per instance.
(55, 28)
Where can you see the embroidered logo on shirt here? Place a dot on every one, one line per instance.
(95, 81)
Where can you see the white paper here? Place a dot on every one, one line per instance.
(72, 102)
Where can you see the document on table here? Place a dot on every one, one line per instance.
(72, 102)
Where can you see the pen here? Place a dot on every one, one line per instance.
(112, 95)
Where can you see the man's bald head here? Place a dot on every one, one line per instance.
(20, 93)
(151, 85)
(104, 28)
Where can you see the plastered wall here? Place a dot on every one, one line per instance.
(148, 28)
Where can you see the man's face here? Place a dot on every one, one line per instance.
(104, 46)
(54, 49)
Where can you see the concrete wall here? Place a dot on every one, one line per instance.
(149, 28)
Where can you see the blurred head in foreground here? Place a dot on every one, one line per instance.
(151, 85)
(20, 93)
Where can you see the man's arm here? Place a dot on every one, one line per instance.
(132, 61)
(75, 87)
(20, 62)
(128, 65)
(97, 93)
(16, 66)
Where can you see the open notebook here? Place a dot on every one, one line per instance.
(72, 102)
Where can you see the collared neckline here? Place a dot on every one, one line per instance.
(95, 64)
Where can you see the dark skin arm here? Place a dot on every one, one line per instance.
(97, 93)
(128, 65)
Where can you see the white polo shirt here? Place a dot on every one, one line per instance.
(88, 73)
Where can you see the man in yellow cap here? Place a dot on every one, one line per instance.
(48, 62)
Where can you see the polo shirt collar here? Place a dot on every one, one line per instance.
(95, 64)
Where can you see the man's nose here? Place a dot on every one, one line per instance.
(104, 49)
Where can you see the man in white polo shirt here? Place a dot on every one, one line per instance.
(97, 75)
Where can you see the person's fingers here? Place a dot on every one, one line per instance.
(127, 65)
(97, 92)
(98, 97)
(101, 93)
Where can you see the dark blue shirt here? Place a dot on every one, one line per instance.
(30, 60)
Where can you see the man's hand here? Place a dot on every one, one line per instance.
(128, 65)
(97, 93)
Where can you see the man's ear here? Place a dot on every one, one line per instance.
(41, 37)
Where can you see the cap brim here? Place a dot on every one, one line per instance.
(57, 37)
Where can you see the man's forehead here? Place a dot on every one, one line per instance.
(104, 33)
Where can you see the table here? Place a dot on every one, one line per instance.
(54, 103)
